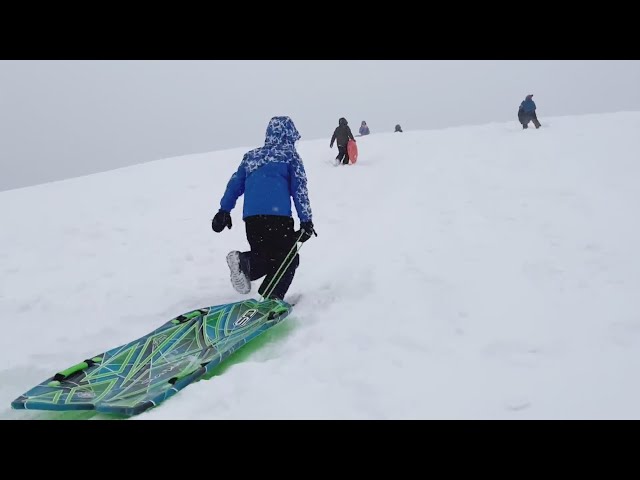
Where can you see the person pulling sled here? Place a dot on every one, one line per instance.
(269, 177)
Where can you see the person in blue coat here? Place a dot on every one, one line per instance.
(527, 113)
(269, 177)
(364, 128)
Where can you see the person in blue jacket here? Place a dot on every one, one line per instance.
(269, 177)
(364, 128)
(527, 113)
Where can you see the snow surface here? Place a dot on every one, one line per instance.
(481, 272)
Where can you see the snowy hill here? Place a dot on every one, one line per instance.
(474, 272)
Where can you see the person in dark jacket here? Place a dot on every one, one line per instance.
(527, 113)
(341, 135)
(398, 129)
(268, 177)
(364, 128)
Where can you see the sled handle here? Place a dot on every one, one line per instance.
(180, 376)
(188, 316)
(65, 374)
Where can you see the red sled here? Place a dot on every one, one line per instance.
(352, 151)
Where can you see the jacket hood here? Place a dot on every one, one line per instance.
(281, 130)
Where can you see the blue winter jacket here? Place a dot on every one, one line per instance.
(270, 175)
(528, 105)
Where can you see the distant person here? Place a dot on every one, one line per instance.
(269, 177)
(398, 129)
(527, 113)
(341, 136)
(364, 128)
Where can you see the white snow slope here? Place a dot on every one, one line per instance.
(482, 272)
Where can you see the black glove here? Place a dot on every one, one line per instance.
(308, 230)
(221, 220)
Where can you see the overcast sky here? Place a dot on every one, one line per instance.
(60, 119)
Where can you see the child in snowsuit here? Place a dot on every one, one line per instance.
(341, 136)
(527, 113)
(268, 177)
(364, 128)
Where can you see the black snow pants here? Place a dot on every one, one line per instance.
(271, 238)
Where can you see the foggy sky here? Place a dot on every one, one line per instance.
(60, 119)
